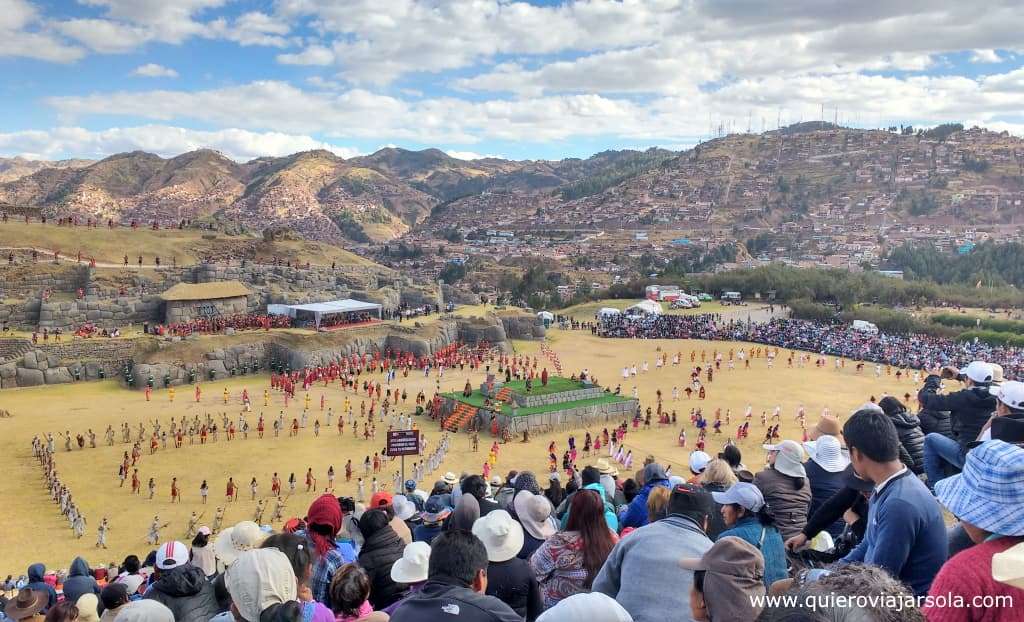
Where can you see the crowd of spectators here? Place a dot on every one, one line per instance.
(217, 324)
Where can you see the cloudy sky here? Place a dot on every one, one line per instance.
(519, 79)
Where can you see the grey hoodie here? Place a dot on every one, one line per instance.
(79, 581)
(36, 572)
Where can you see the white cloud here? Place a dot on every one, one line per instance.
(471, 155)
(313, 55)
(240, 145)
(253, 28)
(153, 70)
(986, 56)
(22, 34)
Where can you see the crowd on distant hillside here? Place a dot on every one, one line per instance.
(216, 324)
(833, 339)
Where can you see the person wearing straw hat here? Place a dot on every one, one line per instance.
(906, 534)
(988, 498)
(27, 605)
(825, 473)
(509, 578)
(727, 581)
(534, 513)
(748, 517)
(784, 486)
(236, 540)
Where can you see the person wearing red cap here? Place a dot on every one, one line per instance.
(323, 520)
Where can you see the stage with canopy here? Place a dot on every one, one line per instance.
(318, 311)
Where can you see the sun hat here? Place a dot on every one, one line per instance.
(501, 535)
(828, 425)
(734, 577)
(979, 372)
(605, 468)
(145, 610)
(1008, 566)
(827, 453)
(534, 512)
(380, 499)
(496, 481)
(236, 540)
(450, 478)
(171, 555)
(997, 373)
(553, 476)
(608, 483)
(746, 495)
(790, 460)
(675, 480)
(989, 492)
(698, 461)
(586, 607)
(27, 603)
(436, 509)
(404, 509)
(1010, 393)
(413, 565)
(88, 608)
(258, 579)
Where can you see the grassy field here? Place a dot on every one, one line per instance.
(36, 531)
(186, 246)
(586, 311)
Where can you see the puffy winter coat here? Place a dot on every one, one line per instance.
(936, 421)
(908, 427)
(441, 598)
(969, 409)
(380, 551)
(79, 581)
(186, 592)
(636, 512)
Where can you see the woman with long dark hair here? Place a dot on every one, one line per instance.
(568, 561)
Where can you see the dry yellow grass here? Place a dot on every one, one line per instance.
(35, 531)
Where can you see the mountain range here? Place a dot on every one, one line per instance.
(804, 171)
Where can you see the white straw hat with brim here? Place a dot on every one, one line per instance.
(790, 460)
(502, 536)
(450, 478)
(997, 373)
(413, 566)
(88, 605)
(534, 512)
(586, 607)
(404, 509)
(605, 468)
(233, 541)
(827, 453)
(258, 579)
(989, 492)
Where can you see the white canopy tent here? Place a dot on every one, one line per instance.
(320, 309)
(607, 312)
(645, 307)
(546, 315)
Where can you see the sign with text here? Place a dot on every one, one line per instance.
(403, 442)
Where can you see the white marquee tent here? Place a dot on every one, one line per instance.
(645, 307)
(320, 309)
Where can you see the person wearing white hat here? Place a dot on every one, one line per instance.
(697, 462)
(410, 570)
(785, 488)
(587, 607)
(181, 586)
(202, 552)
(969, 411)
(534, 513)
(509, 578)
(145, 611)
(236, 540)
(825, 473)
(1009, 403)
(259, 582)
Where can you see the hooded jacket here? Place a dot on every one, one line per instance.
(609, 510)
(969, 409)
(443, 598)
(186, 592)
(79, 581)
(636, 512)
(36, 572)
(908, 427)
(788, 505)
(380, 551)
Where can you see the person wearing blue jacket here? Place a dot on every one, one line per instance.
(635, 514)
(36, 582)
(591, 478)
(79, 581)
(748, 517)
(906, 535)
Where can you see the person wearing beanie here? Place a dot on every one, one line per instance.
(728, 582)
(653, 552)
(969, 411)
(323, 522)
(906, 534)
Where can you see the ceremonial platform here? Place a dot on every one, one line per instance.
(511, 406)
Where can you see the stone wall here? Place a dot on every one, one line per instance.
(570, 417)
(178, 311)
(523, 326)
(68, 315)
(531, 401)
(62, 278)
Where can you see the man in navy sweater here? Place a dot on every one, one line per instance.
(906, 535)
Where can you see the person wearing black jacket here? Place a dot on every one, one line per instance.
(382, 547)
(908, 428)
(969, 411)
(456, 582)
(185, 591)
(476, 486)
(851, 497)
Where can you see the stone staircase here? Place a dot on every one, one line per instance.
(462, 415)
(504, 395)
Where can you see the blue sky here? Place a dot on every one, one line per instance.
(89, 78)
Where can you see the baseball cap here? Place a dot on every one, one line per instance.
(171, 555)
(205, 530)
(690, 500)
(380, 499)
(743, 494)
(1010, 393)
(978, 371)
(699, 461)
